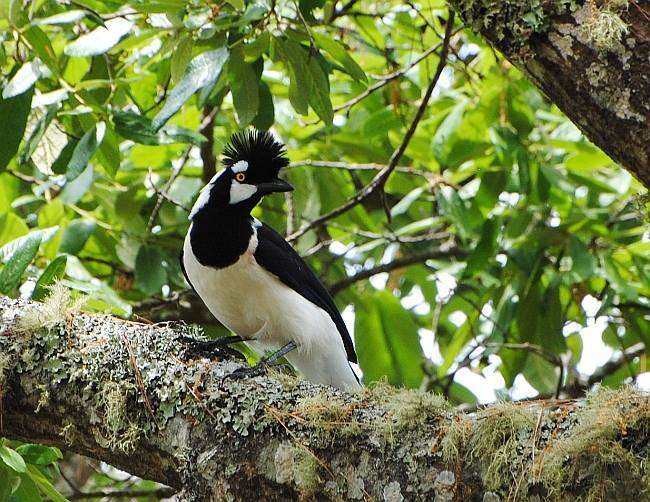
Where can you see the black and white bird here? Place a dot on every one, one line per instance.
(252, 280)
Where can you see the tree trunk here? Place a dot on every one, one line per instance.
(591, 58)
(131, 395)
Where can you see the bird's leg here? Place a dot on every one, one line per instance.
(265, 363)
(217, 347)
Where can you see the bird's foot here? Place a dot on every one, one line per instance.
(218, 348)
(264, 365)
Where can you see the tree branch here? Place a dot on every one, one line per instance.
(67, 379)
(442, 252)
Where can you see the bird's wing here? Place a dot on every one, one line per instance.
(187, 278)
(278, 257)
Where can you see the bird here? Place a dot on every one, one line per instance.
(252, 280)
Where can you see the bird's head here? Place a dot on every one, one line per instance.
(252, 161)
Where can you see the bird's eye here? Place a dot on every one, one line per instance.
(240, 177)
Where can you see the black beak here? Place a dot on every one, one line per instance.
(277, 185)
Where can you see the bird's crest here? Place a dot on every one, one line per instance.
(258, 148)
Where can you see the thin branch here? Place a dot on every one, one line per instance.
(380, 179)
(384, 80)
(163, 194)
(444, 251)
(207, 147)
(348, 166)
(159, 493)
(616, 363)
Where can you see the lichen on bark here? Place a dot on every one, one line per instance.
(126, 393)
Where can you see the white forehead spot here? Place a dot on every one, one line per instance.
(241, 191)
(239, 167)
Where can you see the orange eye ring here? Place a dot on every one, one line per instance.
(240, 177)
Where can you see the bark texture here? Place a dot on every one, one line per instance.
(591, 58)
(128, 394)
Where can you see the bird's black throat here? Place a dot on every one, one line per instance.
(219, 236)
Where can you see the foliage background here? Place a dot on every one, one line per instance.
(502, 242)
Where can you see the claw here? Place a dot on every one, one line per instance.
(217, 348)
(264, 365)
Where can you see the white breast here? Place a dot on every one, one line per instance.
(257, 306)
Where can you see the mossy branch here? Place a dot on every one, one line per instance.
(83, 382)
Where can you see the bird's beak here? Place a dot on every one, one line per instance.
(277, 185)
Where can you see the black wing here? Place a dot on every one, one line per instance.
(278, 257)
(180, 259)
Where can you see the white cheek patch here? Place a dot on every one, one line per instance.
(239, 167)
(241, 191)
(204, 195)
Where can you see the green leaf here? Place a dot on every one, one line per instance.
(13, 270)
(181, 57)
(74, 190)
(14, 112)
(403, 205)
(60, 164)
(541, 374)
(387, 341)
(150, 276)
(266, 113)
(254, 50)
(12, 459)
(99, 40)
(24, 79)
(38, 454)
(309, 83)
(138, 128)
(244, 85)
(42, 47)
(550, 334)
(54, 271)
(75, 236)
(582, 262)
(485, 249)
(11, 227)
(27, 491)
(340, 55)
(203, 71)
(237, 4)
(9, 482)
(84, 150)
(67, 17)
(441, 139)
(36, 135)
(44, 485)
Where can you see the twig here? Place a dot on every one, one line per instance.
(347, 166)
(615, 363)
(163, 195)
(384, 80)
(138, 375)
(380, 179)
(160, 493)
(444, 251)
(207, 147)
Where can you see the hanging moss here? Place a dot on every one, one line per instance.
(56, 309)
(592, 452)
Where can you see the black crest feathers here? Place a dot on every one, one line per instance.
(259, 148)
